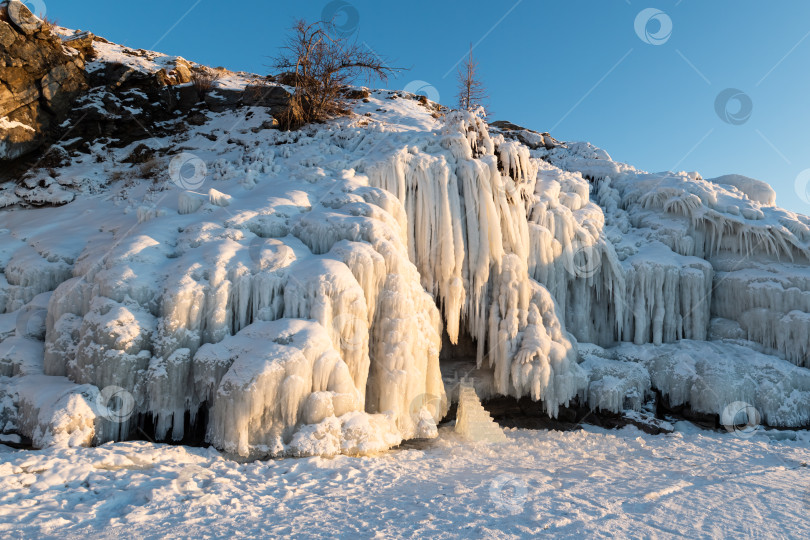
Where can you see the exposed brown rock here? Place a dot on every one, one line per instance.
(7, 34)
(362, 93)
(141, 154)
(82, 42)
(38, 80)
(46, 92)
(181, 72)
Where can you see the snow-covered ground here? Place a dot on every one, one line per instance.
(576, 484)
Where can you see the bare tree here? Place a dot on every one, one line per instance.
(319, 64)
(471, 91)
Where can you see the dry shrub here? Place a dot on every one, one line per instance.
(319, 64)
(203, 79)
(48, 24)
(116, 176)
(150, 169)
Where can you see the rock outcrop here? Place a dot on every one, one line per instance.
(530, 138)
(39, 79)
(55, 81)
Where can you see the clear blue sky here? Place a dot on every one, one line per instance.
(576, 68)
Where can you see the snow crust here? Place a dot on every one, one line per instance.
(568, 484)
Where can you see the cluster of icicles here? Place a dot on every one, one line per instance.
(726, 229)
(471, 238)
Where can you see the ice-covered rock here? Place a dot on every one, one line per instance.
(709, 376)
(614, 385)
(268, 381)
(756, 190)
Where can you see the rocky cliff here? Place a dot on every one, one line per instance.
(39, 79)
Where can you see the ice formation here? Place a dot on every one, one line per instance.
(710, 375)
(295, 299)
(473, 422)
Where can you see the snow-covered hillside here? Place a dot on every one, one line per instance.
(213, 279)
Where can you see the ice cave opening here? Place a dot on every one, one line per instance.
(147, 428)
(457, 362)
